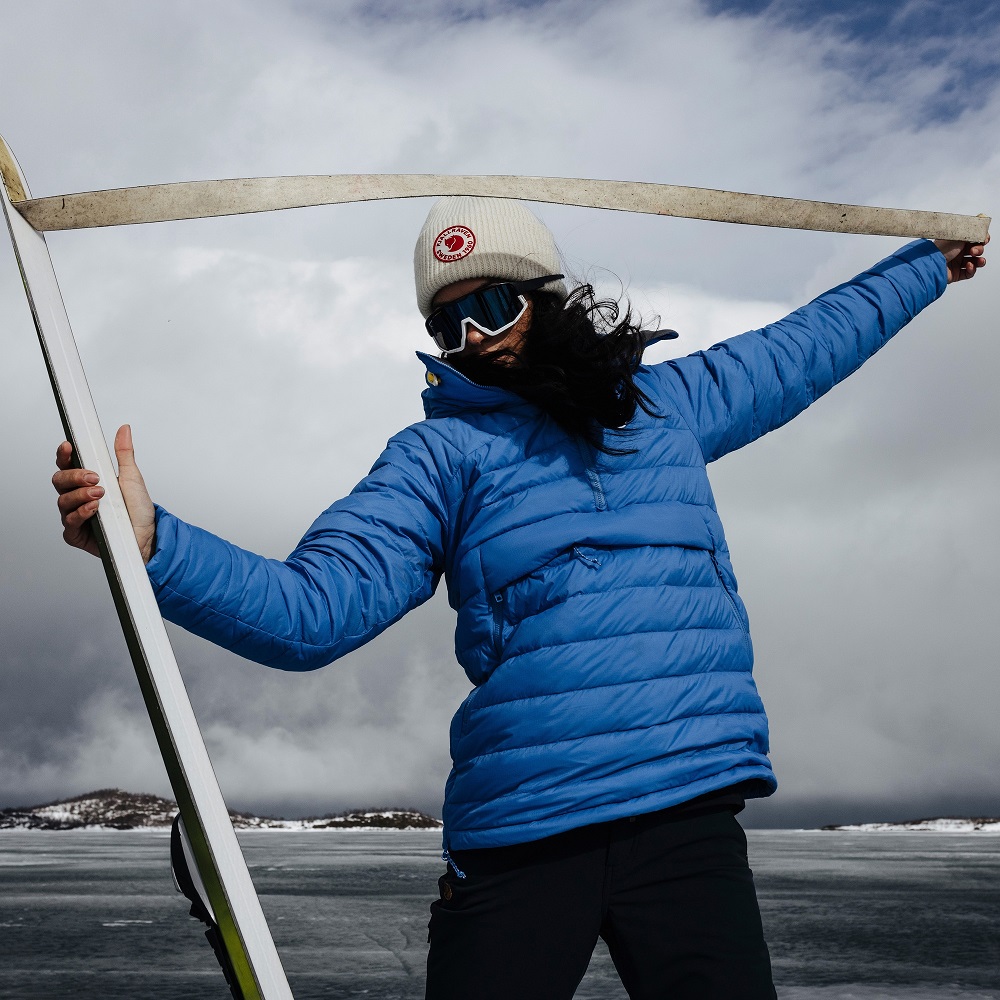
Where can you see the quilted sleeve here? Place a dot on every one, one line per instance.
(363, 564)
(744, 387)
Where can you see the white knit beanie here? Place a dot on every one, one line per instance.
(466, 237)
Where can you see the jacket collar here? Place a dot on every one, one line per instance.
(449, 392)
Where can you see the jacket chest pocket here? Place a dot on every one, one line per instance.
(534, 592)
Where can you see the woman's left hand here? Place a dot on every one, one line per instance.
(964, 259)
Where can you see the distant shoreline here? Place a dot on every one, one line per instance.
(264, 830)
(111, 809)
(937, 824)
(874, 829)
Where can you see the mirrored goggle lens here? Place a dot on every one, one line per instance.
(491, 310)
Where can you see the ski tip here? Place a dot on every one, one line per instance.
(12, 179)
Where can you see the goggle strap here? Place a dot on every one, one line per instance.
(533, 284)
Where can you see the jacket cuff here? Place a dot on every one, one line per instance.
(928, 260)
(164, 548)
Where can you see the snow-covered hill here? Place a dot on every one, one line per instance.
(939, 824)
(113, 809)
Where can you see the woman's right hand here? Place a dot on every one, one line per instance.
(80, 495)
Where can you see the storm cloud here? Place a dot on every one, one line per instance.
(263, 361)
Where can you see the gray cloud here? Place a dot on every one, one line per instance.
(264, 361)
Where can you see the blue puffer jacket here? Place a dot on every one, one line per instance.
(597, 609)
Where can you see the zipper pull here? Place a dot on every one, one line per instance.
(585, 559)
(445, 856)
(497, 600)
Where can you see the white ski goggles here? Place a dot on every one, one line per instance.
(492, 310)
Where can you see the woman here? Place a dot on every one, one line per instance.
(614, 729)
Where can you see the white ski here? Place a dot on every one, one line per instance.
(223, 872)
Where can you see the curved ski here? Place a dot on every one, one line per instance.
(245, 936)
(207, 199)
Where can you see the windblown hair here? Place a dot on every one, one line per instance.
(577, 364)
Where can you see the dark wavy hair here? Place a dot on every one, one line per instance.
(577, 363)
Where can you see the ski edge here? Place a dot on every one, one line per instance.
(220, 859)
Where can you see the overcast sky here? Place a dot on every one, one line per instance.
(263, 361)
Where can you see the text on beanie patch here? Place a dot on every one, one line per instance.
(454, 243)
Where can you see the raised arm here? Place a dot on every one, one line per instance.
(362, 565)
(744, 387)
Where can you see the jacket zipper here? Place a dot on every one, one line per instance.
(497, 603)
(600, 500)
(732, 601)
(595, 484)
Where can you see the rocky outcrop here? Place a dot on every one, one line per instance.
(113, 809)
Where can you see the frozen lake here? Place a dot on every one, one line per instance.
(909, 916)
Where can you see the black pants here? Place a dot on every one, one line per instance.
(672, 895)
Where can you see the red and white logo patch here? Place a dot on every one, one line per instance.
(454, 243)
